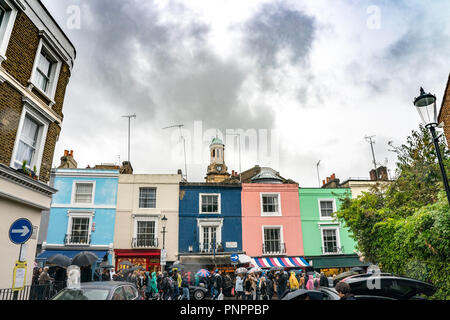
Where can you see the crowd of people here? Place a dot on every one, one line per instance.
(264, 285)
(174, 284)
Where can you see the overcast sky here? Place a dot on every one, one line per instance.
(317, 76)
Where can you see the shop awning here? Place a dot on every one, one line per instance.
(344, 261)
(285, 262)
(69, 253)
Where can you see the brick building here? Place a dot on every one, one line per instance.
(36, 59)
(444, 114)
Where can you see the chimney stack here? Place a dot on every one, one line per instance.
(126, 168)
(67, 161)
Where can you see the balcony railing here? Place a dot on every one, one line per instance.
(210, 246)
(72, 240)
(274, 248)
(144, 243)
(332, 250)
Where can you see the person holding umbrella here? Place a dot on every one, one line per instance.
(239, 287)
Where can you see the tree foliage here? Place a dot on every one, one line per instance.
(404, 226)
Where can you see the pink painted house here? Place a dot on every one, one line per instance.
(271, 224)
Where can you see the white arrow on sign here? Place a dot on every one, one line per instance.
(24, 231)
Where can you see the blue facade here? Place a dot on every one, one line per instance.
(83, 211)
(193, 237)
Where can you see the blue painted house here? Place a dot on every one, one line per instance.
(210, 224)
(82, 214)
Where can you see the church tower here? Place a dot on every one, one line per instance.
(217, 170)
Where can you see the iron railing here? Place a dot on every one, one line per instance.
(210, 247)
(144, 242)
(77, 240)
(273, 247)
(332, 250)
(33, 292)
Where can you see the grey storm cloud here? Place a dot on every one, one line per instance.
(276, 27)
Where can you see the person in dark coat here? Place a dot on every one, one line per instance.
(269, 286)
(323, 280)
(86, 274)
(282, 281)
(344, 291)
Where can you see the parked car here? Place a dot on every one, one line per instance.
(198, 293)
(101, 290)
(371, 286)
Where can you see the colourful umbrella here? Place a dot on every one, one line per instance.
(203, 273)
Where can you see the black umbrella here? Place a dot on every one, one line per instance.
(276, 268)
(106, 265)
(59, 260)
(84, 258)
(312, 294)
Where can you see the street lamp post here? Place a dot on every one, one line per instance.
(426, 106)
(164, 224)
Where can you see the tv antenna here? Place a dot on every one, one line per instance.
(179, 126)
(129, 124)
(372, 142)
(318, 175)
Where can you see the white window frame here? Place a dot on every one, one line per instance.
(218, 223)
(40, 143)
(74, 185)
(270, 214)
(80, 214)
(280, 227)
(219, 203)
(333, 201)
(141, 218)
(338, 239)
(139, 197)
(7, 27)
(55, 72)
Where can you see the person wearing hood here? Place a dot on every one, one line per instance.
(153, 284)
(147, 290)
(293, 282)
(310, 283)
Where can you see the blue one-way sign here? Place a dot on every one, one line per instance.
(234, 258)
(20, 231)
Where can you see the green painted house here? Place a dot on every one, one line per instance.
(326, 241)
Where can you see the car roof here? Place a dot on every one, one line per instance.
(104, 284)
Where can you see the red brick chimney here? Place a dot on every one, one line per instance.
(67, 161)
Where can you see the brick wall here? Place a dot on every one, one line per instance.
(445, 111)
(20, 55)
(10, 111)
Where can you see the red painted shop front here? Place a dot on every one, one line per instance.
(148, 259)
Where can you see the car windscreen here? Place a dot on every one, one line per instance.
(82, 294)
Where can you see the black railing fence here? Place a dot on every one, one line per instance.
(33, 292)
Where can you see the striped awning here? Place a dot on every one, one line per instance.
(285, 262)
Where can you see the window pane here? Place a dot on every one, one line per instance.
(28, 140)
(330, 241)
(2, 14)
(83, 192)
(145, 233)
(210, 204)
(270, 203)
(147, 198)
(80, 230)
(272, 240)
(326, 208)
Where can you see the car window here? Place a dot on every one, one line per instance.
(118, 294)
(130, 292)
(82, 294)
